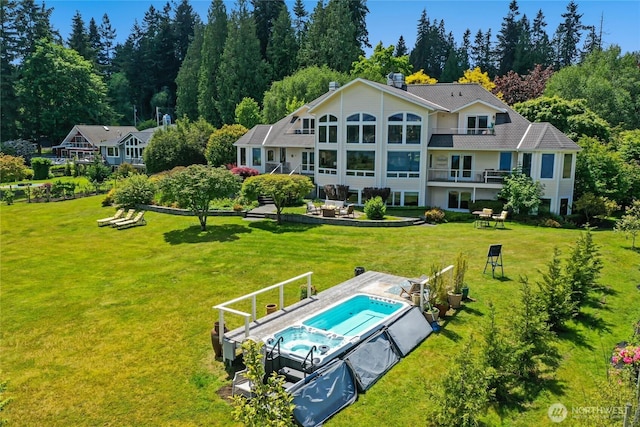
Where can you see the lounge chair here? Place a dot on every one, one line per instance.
(127, 217)
(138, 220)
(412, 286)
(499, 219)
(349, 210)
(105, 221)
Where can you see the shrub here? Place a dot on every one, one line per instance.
(244, 172)
(63, 189)
(551, 223)
(98, 171)
(375, 208)
(135, 190)
(478, 205)
(11, 168)
(125, 170)
(8, 196)
(434, 216)
(108, 199)
(40, 167)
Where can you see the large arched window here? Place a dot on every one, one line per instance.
(361, 128)
(328, 129)
(404, 128)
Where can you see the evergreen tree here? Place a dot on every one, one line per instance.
(568, 36)
(8, 71)
(464, 52)
(95, 44)
(418, 56)
(359, 11)
(300, 21)
(482, 54)
(342, 44)
(265, 13)
(555, 294)
(522, 60)
(32, 23)
(508, 39)
(452, 70)
(107, 39)
(592, 43)
(188, 76)
(78, 39)
(401, 48)
(541, 50)
(184, 25)
(310, 53)
(282, 50)
(242, 70)
(214, 37)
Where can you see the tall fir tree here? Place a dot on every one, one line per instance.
(107, 43)
(464, 52)
(242, 70)
(401, 48)
(359, 11)
(32, 23)
(342, 44)
(95, 44)
(541, 50)
(419, 53)
(522, 59)
(592, 43)
(310, 52)
(508, 39)
(300, 21)
(78, 39)
(214, 38)
(188, 76)
(265, 14)
(8, 70)
(567, 37)
(185, 22)
(282, 50)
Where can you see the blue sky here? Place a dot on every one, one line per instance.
(389, 19)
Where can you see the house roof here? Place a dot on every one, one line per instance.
(141, 135)
(97, 134)
(278, 134)
(406, 95)
(512, 131)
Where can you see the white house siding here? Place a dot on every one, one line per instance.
(364, 99)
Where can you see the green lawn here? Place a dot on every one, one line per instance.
(108, 327)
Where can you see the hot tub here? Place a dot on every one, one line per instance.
(336, 329)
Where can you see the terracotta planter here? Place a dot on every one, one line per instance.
(271, 308)
(455, 300)
(442, 308)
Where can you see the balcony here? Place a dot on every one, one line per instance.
(484, 176)
(464, 131)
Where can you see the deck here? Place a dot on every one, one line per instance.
(370, 282)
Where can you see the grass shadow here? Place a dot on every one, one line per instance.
(593, 321)
(215, 233)
(285, 227)
(574, 336)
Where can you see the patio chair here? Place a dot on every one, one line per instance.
(138, 220)
(349, 210)
(127, 217)
(412, 286)
(313, 209)
(105, 221)
(499, 219)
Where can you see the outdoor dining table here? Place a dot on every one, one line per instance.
(482, 219)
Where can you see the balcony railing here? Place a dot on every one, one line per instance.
(464, 131)
(486, 176)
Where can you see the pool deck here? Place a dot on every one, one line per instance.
(370, 282)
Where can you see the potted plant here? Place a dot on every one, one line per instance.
(303, 291)
(459, 270)
(431, 312)
(438, 291)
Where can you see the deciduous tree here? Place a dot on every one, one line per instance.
(629, 223)
(197, 185)
(521, 192)
(248, 113)
(381, 62)
(477, 76)
(220, 149)
(281, 188)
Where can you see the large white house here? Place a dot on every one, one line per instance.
(433, 145)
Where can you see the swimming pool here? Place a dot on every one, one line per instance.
(335, 329)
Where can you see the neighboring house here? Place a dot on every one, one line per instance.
(116, 144)
(84, 141)
(433, 145)
(128, 148)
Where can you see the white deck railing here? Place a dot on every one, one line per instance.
(249, 317)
